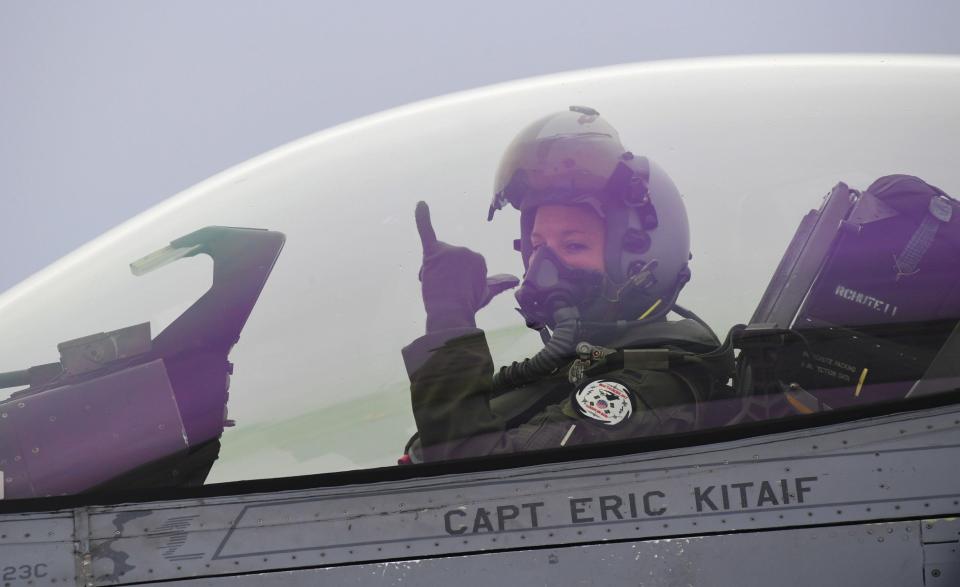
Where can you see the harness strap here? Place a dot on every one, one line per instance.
(908, 260)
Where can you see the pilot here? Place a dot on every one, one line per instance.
(605, 247)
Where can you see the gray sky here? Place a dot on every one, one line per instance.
(107, 108)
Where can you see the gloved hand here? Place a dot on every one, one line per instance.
(454, 279)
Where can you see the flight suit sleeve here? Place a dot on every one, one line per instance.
(451, 375)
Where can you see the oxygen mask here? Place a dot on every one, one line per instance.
(549, 285)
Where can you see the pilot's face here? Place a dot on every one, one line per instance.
(574, 233)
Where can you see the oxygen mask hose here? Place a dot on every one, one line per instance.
(556, 352)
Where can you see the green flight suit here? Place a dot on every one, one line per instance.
(457, 416)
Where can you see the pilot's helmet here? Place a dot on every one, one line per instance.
(576, 157)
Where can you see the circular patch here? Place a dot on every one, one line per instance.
(607, 402)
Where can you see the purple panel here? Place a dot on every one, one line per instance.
(200, 381)
(893, 266)
(16, 482)
(77, 436)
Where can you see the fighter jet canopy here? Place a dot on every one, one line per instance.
(311, 255)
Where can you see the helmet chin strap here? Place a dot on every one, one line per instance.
(628, 303)
(628, 300)
(639, 280)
